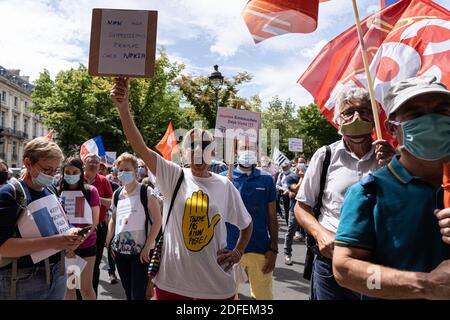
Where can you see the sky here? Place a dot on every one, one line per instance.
(54, 35)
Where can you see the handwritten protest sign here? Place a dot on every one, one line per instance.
(43, 218)
(244, 123)
(295, 145)
(123, 43)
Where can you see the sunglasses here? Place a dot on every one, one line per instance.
(202, 144)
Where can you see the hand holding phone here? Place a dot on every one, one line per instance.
(84, 230)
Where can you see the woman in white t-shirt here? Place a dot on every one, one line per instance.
(195, 262)
(133, 228)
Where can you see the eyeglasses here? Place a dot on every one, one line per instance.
(49, 171)
(202, 144)
(92, 163)
(363, 112)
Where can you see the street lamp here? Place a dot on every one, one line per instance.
(216, 81)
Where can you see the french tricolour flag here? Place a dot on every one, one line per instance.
(94, 145)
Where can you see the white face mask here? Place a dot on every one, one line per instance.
(42, 180)
(126, 177)
(246, 158)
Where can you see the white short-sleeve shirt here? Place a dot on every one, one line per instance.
(196, 231)
(345, 170)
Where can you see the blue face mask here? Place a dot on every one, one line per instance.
(246, 158)
(141, 171)
(126, 177)
(71, 179)
(42, 180)
(427, 137)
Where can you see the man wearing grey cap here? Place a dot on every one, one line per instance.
(389, 244)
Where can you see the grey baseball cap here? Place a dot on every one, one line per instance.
(409, 88)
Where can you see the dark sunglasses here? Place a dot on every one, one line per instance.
(201, 144)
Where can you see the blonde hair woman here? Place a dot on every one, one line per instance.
(134, 225)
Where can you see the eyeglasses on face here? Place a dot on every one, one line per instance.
(350, 112)
(202, 144)
(48, 171)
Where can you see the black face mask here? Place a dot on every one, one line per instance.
(3, 177)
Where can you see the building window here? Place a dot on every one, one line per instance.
(4, 96)
(26, 106)
(15, 101)
(2, 120)
(14, 151)
(25, 125)
(15, 123)
(34, 129)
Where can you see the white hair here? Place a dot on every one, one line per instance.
(347, 95)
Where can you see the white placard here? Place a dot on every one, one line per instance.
(43, 218)
(295, 145)
(235, 119)
(123, 42)
(75, 262)
(76, 207)
(110, 157)
(128, 217)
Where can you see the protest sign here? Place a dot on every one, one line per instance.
(76, 207)
(110, 157)
(123, 43)
(244, 123)
(43, 218)
(295, 145)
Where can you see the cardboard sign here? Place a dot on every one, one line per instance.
(295, 145)
(43, 218)
(123, 43)
(76, 207)
(244, 123)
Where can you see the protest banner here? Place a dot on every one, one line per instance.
(43, 218)
(243, 123)
(123, 43)
(295, 145)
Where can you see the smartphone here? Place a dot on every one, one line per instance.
(84, 230)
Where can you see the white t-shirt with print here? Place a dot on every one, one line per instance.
(191, 240)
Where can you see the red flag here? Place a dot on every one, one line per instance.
(168, 143)
(409, 38)
(50, 134)
(269, 18)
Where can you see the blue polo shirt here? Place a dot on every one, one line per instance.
(390, 213)
(257, 191)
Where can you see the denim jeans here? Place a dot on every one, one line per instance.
(324, 285)
(32, 283)
(133, 275)
(289, 237)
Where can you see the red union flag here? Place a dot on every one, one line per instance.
(409, 38)
(168, 143)
(269, 18)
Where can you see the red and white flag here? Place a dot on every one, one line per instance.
(407, 39)
(168, 143)
(270, 18)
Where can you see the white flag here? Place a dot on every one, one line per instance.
(279, 158)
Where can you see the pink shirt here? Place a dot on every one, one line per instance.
(95, 202)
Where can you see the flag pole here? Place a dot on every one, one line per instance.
(367, 71)
(233, 149)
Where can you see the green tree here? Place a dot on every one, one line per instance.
(78, 106)
(314, 128)
(198, 93)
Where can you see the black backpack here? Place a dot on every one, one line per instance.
(144, 201)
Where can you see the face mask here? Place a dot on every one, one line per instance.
(126, 177)
(114, 170)
(3, 177)
(301, 166)
(141, 171)
(427, 137)
(246, 158)
(357, 127)
(42, 180)
(71, 179)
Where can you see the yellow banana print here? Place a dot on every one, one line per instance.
(197, 230)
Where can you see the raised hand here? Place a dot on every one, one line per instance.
(197, 229)
(119, 93)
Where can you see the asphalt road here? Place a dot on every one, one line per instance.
(288, 283)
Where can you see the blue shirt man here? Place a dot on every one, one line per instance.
(258, 193)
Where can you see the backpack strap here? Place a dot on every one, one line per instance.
(87, 193)
(323, 179)
(144, 201)
(177, 188)
(116, 196)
